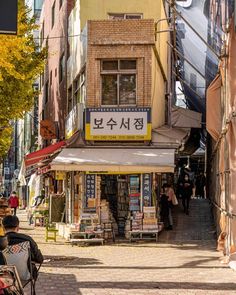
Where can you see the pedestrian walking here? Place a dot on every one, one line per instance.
(13, 201)
(187, 191)
(166, 205)
(200, 185)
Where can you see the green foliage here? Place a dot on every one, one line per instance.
(21, 62)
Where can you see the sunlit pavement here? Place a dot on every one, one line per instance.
(184, 261)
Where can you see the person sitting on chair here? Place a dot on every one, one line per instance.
(11, 226)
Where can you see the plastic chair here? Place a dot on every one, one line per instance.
(50, 232)
(20, 256)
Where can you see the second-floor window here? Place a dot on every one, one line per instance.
(80, 89)
(118, 82)
(125, 15)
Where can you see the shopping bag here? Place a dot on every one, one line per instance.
(174, 200)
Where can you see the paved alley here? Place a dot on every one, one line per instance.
(184, 261)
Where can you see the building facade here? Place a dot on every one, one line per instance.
(105, 90)
(117, 82)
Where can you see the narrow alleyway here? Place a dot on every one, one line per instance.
(184, 261)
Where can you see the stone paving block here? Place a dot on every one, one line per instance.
(182, 262)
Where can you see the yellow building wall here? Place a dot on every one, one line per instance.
(158, 95)
(151, 9)
(99, 9)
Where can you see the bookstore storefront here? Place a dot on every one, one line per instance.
(113, 188)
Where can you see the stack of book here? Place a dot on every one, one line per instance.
(137, 221)
(150, 219)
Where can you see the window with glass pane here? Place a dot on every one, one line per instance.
(109, 65)
(80, 89)
(127, 89)
(133, 16)
(128, 64)
(109, 90)
(118, 82)
(116, 16)
(125, 16)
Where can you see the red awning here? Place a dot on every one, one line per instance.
(35, 157)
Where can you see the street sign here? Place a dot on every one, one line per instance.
(8, 17)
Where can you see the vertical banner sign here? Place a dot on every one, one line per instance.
(134, 194)
(147, 189)
(90, 182)
(8, 17)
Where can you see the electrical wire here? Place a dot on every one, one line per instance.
(53, 37)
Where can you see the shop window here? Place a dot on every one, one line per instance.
(125, 15)
(53, 14)
(80, 89)
(118, 78)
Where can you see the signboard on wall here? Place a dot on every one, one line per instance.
(8, 17)
(90, 182)
(147, 189)
(129, 124)
(48, 129)
(74, 120)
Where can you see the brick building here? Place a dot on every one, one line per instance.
(114, 49)
(106, 90)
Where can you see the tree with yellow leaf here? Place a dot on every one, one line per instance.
(21, 62)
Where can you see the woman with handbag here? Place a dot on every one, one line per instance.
(166, 206)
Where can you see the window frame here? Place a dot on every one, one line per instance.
(110, 14)
(78, 84)
(119, 72)
(46, 92)
(61, 68)
(42, 34)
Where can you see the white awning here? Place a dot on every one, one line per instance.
(115, 160)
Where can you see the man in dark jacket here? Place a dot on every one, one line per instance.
(187, 191)
(11, 226)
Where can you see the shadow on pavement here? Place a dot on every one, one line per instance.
(69, 261)
(91, 263)
(167, 285)
(56, 284)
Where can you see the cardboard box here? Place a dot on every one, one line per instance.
(149, 209)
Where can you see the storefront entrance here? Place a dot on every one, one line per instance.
(114, 189)
(120, 196)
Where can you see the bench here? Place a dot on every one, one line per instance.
(143, 235)
(86, 241)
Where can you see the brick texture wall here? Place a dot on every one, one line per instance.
(117, 39)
